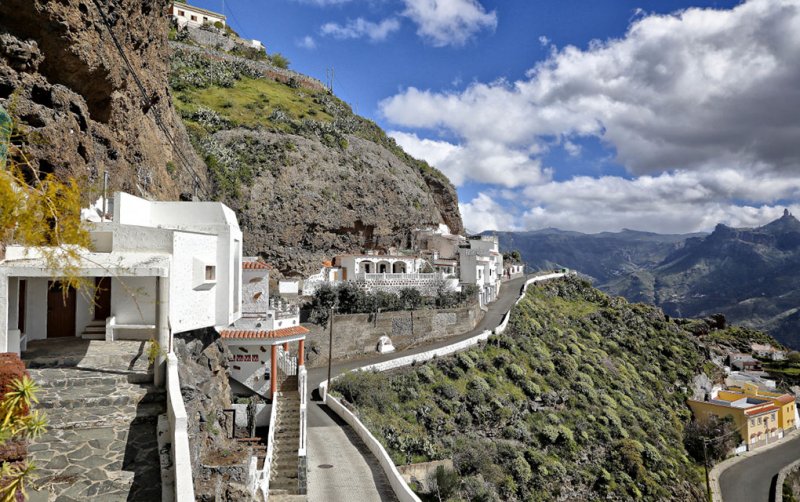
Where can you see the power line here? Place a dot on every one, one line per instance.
(149, 102)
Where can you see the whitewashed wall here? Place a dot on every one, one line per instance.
(192, 308)
(133, 300)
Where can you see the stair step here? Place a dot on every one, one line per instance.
(93, 396)
(71, 377)
(86, 418)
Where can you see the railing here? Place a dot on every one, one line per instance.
(400, 277)
(260, 480)
(302, 388)
(178, 425)
(286, 363)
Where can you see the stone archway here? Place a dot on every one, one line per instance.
(399, 267)
(367, 267)
(384, 267)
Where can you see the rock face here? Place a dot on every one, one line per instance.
(218, 462)
(69, 86)
(309, 201)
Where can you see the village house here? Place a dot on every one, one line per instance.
(513, 270)
(190, 16)
(391, 273)
(481, 264)
(756, 419)
(767, 351)
(743, 362)
(787, 408)
(260, 341)
(155, 268)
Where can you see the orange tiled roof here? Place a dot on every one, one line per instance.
(785, 399)
(327, 263)
(758, 410)
(261, 333)
(255, 265)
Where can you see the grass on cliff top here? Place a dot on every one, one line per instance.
(251, 102)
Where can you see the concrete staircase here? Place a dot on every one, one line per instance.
(102, 410)
(95, 330)
(283, 483)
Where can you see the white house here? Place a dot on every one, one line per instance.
(481, 264)
(391, 273)
(155, 269)
(189, 15)
(260, 341)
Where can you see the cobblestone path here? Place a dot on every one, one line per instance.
(102, 410)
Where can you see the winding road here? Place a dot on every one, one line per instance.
(340, 467)
(752, 479)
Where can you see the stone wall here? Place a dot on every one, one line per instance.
(357, 335)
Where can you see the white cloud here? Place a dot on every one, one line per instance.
(700, 107)
(696, 89)
(307, 42)
(449, 22)
(484, 213)
(360, 28)
(544, 41)
(480, 161)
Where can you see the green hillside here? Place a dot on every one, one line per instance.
(583, 398)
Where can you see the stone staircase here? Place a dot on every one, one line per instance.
(283, 482)
(95, 330)
(102, 411)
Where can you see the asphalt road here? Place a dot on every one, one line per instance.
(340, 467)
(752, 479)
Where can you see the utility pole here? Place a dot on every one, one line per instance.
(329, 73)
(330, 349)
(705, 465)
(105, 194)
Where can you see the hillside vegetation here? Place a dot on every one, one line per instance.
(308, 178)
(583, 398)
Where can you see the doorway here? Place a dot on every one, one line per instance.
(60, 310)
(102, 298)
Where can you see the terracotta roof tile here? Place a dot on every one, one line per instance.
(758, 410)
(261, 333)
(785, 399)
(255, 265)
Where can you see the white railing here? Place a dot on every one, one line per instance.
(260, 481)
(400, 277)
(302, 388)
(286, 363)
(179, 432)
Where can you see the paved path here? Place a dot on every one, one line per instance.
(751, 480)
(340, 467)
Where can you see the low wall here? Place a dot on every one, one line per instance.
(178, 427)
(358, 334)
(782, 474)
(401, 489)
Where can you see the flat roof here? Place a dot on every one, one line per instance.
(115, 264)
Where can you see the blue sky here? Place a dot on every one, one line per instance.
(585, 115)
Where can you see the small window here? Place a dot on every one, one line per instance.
(211, 273)
(205, 19)
(194, 18)
(182, 13)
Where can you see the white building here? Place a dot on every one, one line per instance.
(391, 273)
(189, 15)
(260, 341)
(481, 264)
(156, 268)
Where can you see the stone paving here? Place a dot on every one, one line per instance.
(102, 409)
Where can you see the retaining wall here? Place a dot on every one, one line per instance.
(358, 334)
(178, 428)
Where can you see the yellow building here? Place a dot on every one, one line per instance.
(755, 419)
(785, 402)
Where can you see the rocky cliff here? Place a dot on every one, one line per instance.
(308, 178)
(89, 105)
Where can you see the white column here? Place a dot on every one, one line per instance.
(162, 325)
(3, 313)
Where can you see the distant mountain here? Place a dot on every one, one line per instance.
(604, 257)
(751, 275)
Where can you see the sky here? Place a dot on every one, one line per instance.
(590, 115)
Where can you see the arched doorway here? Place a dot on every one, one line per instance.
(399, 267)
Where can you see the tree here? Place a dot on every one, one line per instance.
(443, 482)
(279, 60)
(38, 209)
(720, 437)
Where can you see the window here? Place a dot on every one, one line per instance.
(182, 13)
(759, 420)
(205, 19)
(211, 273)
(752, 422)
(194, 18)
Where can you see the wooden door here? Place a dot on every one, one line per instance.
(102, 298)
(60, 310)
(23, 298)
